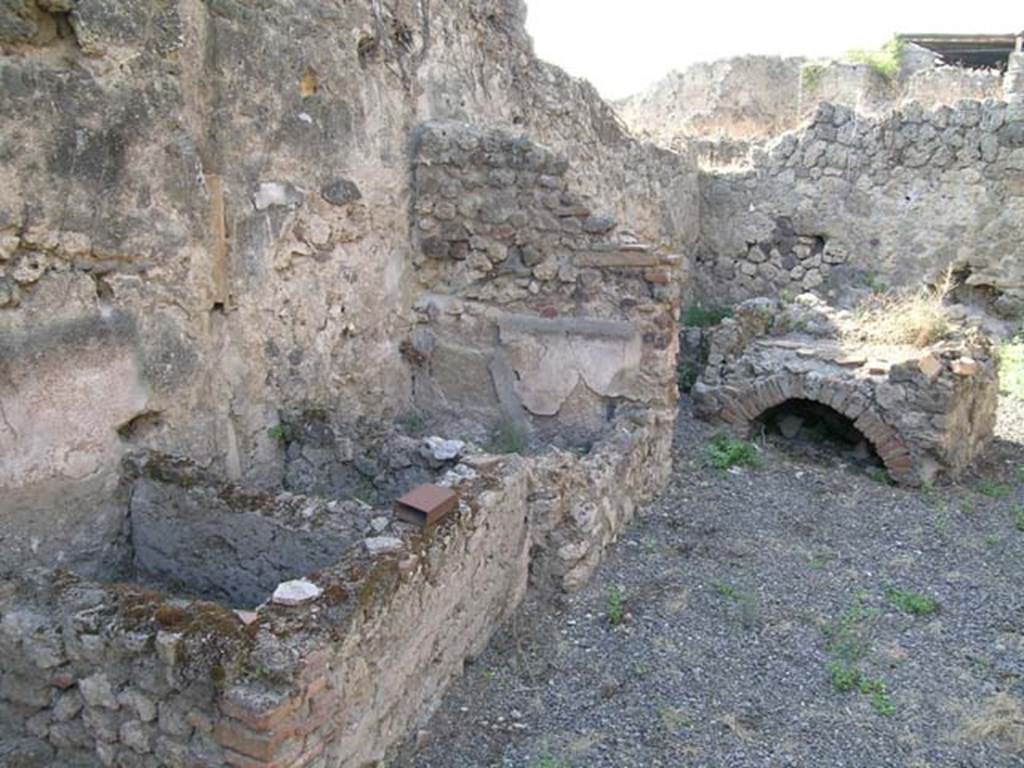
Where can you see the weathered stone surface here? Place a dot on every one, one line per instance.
(383, 545)
(896, 200)
(296, 592)
(890, 401)
(219, 231)
(341, 192)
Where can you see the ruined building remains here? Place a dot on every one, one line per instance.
(266, 268)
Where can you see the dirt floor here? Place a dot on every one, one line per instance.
(802, 612)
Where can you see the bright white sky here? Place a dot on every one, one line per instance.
(623, 46)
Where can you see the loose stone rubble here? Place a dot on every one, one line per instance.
(925, 411)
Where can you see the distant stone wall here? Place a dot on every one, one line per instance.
(751, 99)
(851, 204)
(738, 98)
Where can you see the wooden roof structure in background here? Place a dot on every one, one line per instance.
(974, 51)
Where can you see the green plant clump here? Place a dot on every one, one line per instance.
(509, 437)
(278, 432)
(616, 605)
(723, 452)
(686, 375)
(700, 316)
(993, 489)
(848, 644)
(811, 75)
(912, 602)
(886, 61)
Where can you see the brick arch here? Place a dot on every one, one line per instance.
(742, 406)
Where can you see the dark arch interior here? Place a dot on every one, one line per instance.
(816, 429)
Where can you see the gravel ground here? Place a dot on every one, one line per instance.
(740, 592)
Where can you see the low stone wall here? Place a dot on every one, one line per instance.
(131, 676)
(851, 203)
(193, 533)
(926, 411)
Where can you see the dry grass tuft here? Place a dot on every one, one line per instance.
(1001, 721)
(916, 319)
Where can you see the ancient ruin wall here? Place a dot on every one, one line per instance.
(537, 308)
(206, 220)
(850, 204)
(728, 107)
(131, 676)
(738, 98)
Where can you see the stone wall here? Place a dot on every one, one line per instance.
(750, 99)
(537, 308)
(851, 204)
(128, 676)
(739, 98)
(229, 185)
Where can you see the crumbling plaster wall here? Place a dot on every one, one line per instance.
(851, 203)
(232, 183)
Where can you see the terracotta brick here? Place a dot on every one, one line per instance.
(839, 398)
(855, 406)
(730, 415)
(900, 464)
(309, 755)
(259, 715)
(659, 276)
(265, 746)
(237, 760)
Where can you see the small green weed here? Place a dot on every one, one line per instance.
(723, 452)
(879, 696)
(820, 561)
(993, 489)
(686, 375)
(413, 423)
(509, 437)
(726, 590)
(674, 719)
(913, 603)
(848, 644)
(700, 316)
(811, 75)
(748, 602)
(847, 635)
(879, 475)
(616, 605)
(1018, 517)
(279, 433)
(968, 505)
(844, 675)
(875, 284)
